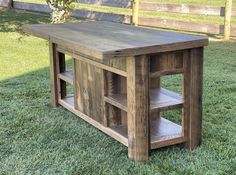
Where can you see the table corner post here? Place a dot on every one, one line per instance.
(194, 135)
(53, 74)
(138, 107)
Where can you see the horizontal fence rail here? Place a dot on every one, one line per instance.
(111, 3)
(187, 9)
(77, 13)
(187, 26)
(4, 3)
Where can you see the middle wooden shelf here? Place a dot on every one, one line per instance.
(160, 99)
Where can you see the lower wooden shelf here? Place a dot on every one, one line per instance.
(160, 99)
(163, 131)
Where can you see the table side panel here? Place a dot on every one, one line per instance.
(89, 90)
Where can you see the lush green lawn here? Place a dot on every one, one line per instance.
(36, 139)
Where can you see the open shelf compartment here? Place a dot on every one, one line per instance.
(163, 132)
(160, 98)
(67, 76)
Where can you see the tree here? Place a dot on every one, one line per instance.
(60, 9)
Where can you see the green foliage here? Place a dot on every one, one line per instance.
(60, 9)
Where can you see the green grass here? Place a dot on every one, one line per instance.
(204, 19)
(37, 139)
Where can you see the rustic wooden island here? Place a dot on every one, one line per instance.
(116, 78)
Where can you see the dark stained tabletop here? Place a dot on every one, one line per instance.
(104, 40)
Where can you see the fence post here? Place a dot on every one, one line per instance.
(10, 4)
(135, 12)
(228, 11)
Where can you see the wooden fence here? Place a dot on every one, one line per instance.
(137, 5)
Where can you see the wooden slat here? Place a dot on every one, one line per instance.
(68, 104)
(112, 3)
(138, 107)
(106, 40)
(101, 16)
(77, 13)
(32, 7)
(4, 3)
(159, 100)
(184, 8)
(195, 99)
(163, 133)
(187, 26)
(97, 64)
(54, 66)
(66, 76)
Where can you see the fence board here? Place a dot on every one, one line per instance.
(112, 3)
(3, 3)
(182, 8)
(187, 26)
(101, 16)
(77, 13)
(32, 7)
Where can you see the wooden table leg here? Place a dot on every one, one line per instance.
(194, 125)
(138, 108)
(53, 74)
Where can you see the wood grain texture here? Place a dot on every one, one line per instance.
(75, 12)
(61, 84)
(68, 104)
(160, 99)
(117, 66)
(88, 87)
(195, 86)
(105, 40)
(54, 65)
(184, 8)
(186, 26)
(163, 133)
(112, 3)
(66, 76)
(138, 108)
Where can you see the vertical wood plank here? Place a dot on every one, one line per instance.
(111, 86)
(61, 83)
(186, 93)
(53, 74)
(195, 120)
(135, 12)
(227, 19)
(138, 107)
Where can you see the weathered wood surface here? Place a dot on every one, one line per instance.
(184, 8)
(112, 3)
(194, 125)
(138, 108)
(4, 3)
(77, 13)
(54, 70)
(187, 26)
(88, 87)
(105, 40)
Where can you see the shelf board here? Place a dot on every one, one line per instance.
(163, 133)
(67, 76)
(161, 99)
(68, 103)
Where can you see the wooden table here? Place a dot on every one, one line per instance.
(116, 78)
